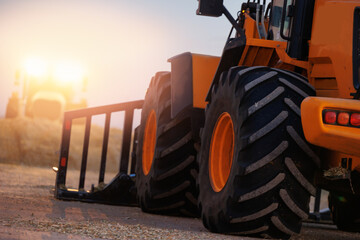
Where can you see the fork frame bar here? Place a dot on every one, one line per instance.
(128, 107)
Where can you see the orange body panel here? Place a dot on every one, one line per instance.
(331, 73)
(330, 48)
(250, 27)
(259, 52)
(204, 68)
(338, 138)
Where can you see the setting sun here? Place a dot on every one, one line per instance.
(117, 45)
(63, 72)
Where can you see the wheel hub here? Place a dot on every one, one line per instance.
(148, 149)
(221, 152)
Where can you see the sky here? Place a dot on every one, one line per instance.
(120, 43)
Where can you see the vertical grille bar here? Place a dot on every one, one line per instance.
(125, 150)
(64, 152)
(85, 153)
(104, 148)
(134, 147)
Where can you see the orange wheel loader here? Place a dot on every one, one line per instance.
(243, 140)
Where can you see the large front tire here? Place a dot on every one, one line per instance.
(166, 163)
(256, 168)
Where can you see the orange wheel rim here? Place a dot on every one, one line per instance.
(149, 142)
(221, 151)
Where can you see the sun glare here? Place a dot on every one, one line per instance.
(69, 72)
(64, 72)
(35, 67)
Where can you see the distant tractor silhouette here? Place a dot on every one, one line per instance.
(43, 94)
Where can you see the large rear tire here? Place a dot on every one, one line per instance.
(345, 210)
(256, 168)
(166, 165)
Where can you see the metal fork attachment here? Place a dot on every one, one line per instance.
(121, 189)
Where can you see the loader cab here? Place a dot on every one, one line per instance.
(291, 21)
(277, 28)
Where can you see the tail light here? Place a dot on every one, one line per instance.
(355, 119)
(330, 117)
(341, 118)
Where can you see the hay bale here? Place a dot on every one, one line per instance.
(9, 143)
(36, 142)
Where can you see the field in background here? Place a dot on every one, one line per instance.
(36, 142)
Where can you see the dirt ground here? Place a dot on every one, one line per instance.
(28, 210)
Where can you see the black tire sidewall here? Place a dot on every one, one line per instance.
(142, 180)
(230, 95)
(207, 194)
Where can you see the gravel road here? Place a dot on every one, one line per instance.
(28, 210)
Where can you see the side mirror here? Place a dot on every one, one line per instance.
(210, 8)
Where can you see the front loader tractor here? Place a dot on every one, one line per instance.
(46, 93)
(243, 140)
